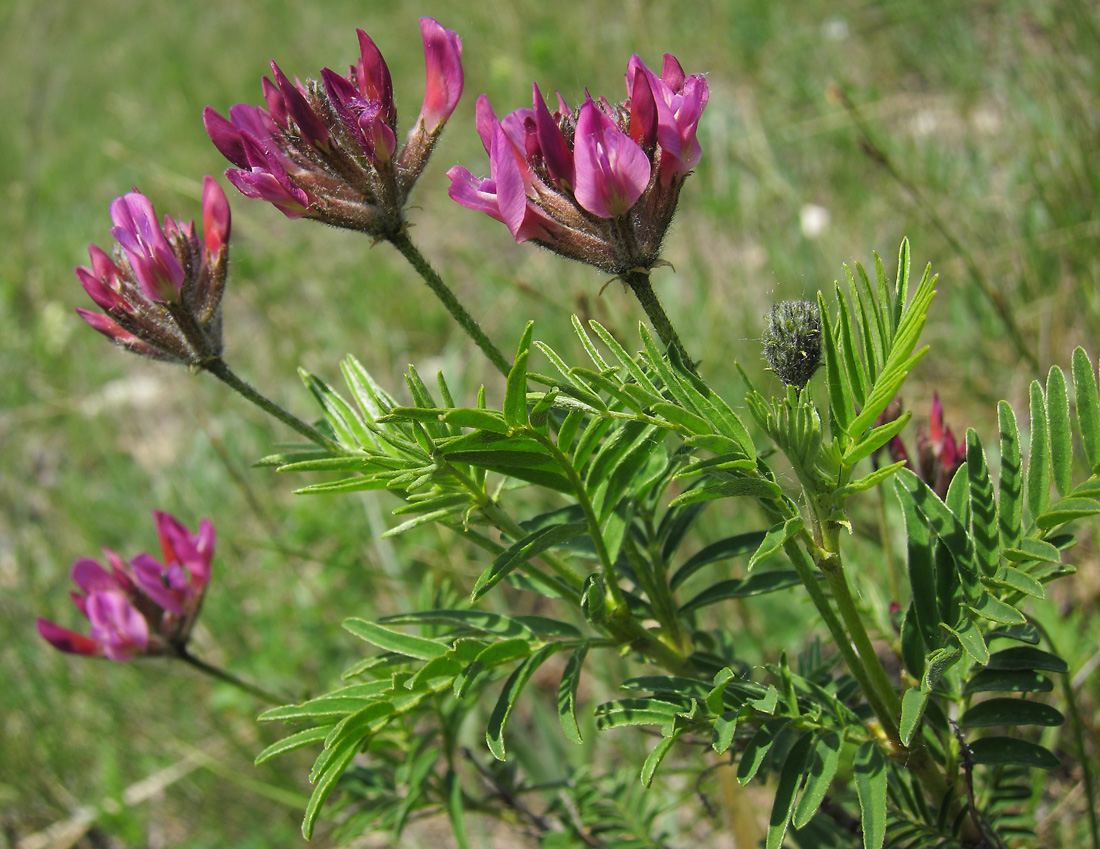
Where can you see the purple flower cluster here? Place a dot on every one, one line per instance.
(328, 150)
(144, 607)
(598, 184)
(161, 292)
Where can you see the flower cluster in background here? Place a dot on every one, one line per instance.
(144, 607)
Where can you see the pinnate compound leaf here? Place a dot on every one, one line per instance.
(519, 553)
(870, 774)
(1003, 711)
(1002, 751)
(1088, 404)
(494, 733)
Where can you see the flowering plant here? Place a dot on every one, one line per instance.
(584, 491)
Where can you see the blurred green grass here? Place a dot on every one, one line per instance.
(991, 110)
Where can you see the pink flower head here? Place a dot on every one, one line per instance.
(145, 607)
(161, 291)
(598, 184)
(328, 150)
(938, 454)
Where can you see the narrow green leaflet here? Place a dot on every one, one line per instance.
(822, 768)
(1027, 657)
(1010, 487)
(1067, 510)
(456, 810)
(567, 693)
(395, 641)
(348, 427)
(295, 741)
(1088, 405)
(1008, 681)
(519, 553)
(922, 573)
(1001, 751)
(652, 711)
(790, 778)
(913, 704)
(777, 535)
(1038, 461)
(740, 488)
(759, 746)
(324, 784)
(1002, 711)
(515, 393)
(724, 549)
(983, 509)
(1033, 549)
(841, 408)
(970, 640)
(1061, 437)
(649, 768)
(494, 733)
(870, 774)
(759, 583)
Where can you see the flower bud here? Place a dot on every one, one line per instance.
(792, 341)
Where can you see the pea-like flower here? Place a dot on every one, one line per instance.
(161, 291)
(598, 184)
(328, 149)
(144, 607)
(938, 454)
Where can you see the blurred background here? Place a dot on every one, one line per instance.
(834, 129)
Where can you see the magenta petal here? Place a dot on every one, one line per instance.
(485, 120)
(68, 641)
(226, 137)
(373, 77)
(612, 171)
(511, 193)
(215, 216)
(117, 625)
(136, 228)
(91, 577)
(152, 580)
(554, 147)
(643, 110)
(443, 60)
(672, 74)
(312, 128)
(276, 103)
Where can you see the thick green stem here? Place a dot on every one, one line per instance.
(639, 283)
(229, 678)
(220, 370)
(408, 250)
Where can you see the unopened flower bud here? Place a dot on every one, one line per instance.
(792, 341)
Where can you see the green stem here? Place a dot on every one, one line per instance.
(229, 678)
(639, 283)
(408, 250)
(221, 370)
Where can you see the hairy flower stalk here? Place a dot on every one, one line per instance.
(598, 184)
(328, 149)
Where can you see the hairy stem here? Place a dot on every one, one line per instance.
(416, 259)
(229, 678)
(221, 370)
(639, 283)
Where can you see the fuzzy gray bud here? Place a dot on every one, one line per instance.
(792, 341)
